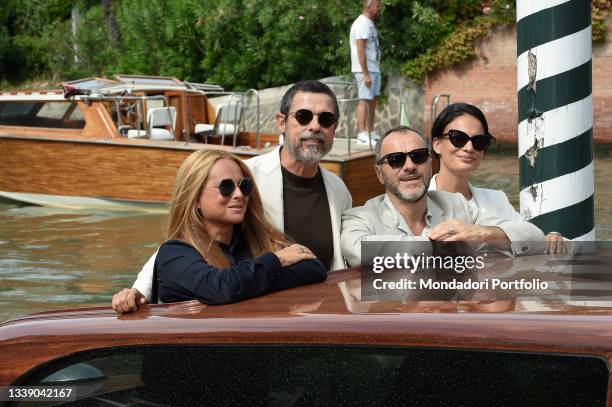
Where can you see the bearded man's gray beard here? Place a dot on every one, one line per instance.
(393, 187)
(308, 154)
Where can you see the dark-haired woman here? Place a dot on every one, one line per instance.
(460, 137)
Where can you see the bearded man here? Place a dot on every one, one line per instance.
(300, 197)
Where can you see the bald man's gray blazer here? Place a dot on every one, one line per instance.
(378, 218)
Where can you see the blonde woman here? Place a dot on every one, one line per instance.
(220, 247)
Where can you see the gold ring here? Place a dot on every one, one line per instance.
(451, 230)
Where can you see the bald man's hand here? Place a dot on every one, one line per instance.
(454, 230)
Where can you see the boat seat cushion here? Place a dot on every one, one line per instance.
(137, 133)
(226, 129)
(156, 134)
(161, 134)
(209, 129)
(204, 128)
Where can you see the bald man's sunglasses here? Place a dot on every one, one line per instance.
(305, 116)
(397, 160)
(459, 139)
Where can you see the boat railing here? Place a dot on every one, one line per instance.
(248, 92)
(348, 101)
(232, 110)
(204, 87)
(349, 110)
(434, 104)
(349, 125)
(231, 96)
(243, 97)
(341, 83)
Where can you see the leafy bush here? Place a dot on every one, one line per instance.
(458, 44)
(239, 43)
(599, 13)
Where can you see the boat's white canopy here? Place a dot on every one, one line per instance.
(25, 96)
(90, 87)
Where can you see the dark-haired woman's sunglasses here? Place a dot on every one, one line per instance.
(227, 187)
(397, 160)
(304, 117)
(458, 138)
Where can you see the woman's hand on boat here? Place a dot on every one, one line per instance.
(128, 300)
(293, 254)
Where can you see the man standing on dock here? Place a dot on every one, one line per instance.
(365, 64)
(300, 198)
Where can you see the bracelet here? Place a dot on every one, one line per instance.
(555, 233)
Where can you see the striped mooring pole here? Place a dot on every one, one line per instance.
(555, 109)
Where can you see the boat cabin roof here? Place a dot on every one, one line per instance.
(121, 84)
(136, 83)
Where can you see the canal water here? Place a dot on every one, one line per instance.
(52, 258)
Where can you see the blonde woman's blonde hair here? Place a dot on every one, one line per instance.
(185, 220)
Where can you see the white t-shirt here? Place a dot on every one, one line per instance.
(363, 29)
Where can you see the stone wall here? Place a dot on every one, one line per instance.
(398, 92)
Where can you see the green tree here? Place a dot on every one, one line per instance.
(159, 38)
(34, 22)
(239, 43)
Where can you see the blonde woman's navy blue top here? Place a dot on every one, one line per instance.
(182, 274)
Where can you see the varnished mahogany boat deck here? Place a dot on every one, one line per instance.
(326, 313)
(63, 162)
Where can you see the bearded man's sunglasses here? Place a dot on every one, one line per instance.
(397, 160)
(459, 139)
(305, 116)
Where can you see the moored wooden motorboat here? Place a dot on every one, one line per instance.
(93, 145)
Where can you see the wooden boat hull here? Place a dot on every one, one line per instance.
(81, 202)
(128, 169)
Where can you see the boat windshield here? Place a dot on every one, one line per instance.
(56, 114)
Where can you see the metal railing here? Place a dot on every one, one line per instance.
(349, 126)
(402, 105)
(341, 101)
(349, 123)
(256, 93)
(233, 110)
(434, 104)
(204, 87)
(242, 96)
(341, 83)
